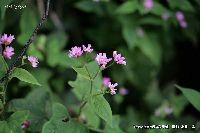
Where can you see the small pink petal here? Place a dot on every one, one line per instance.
(33, 60)
(102, 59)
(75, 52)
(8, 52)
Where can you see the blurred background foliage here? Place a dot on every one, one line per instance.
(159, 53)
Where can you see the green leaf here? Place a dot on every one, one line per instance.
(81, 86)
(82, 71)
(129, 28)
(115, 128)
(151, 20)
(38, 103)
(4, 3)
(127, 7)
(90, 116)
(3, 66)
(2, 23)
(4, 128)
(82, 83)
(90, 70)
(43, 74)
(136, 72)
(130, 36)
(61, 122)
(89, 6)
(24, 75)
(185, 5)
(1, 105)
(151, 49)
(102, 108)
(55, 44)
(59, 112)
(13, 124)
(38, 47)
(193, 96)
(178, 104)
(93, 68)
(15, 121)
(158, 9)
(28, 23)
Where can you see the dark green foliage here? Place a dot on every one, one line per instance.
(62, 96)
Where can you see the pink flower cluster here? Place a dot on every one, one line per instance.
(148, 4)
(77, 51)
(101, 58)
(8, 51)
(181, 19)
(112, 89)
(106, 81)
(6, 40)
(167, 110)
(33, 60)
(118, 58)
(87, 49)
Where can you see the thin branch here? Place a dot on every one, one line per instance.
(27, 44)
(97, 73)
(81, 107)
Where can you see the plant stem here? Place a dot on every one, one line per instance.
(20, 65)
(91, 79)
(81, 107)
(110, 65)
(4, 91)
(91, 85)
(97, 73)
(101, 93)
(88, 72)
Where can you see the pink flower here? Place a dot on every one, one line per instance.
(118, 58)
(180, 16)
(5, 39)
(25, 124)
(112, 88)
(102, 59)
(8, 52)
(106, 81)
(168, 110)
(87, 49)
(33, 60)
(75, 52)
(181, 19)
(183, 24)
(148, 4)
(123, 91)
